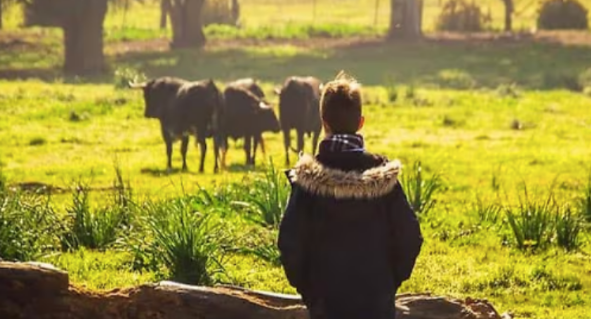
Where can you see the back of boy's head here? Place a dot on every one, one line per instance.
(341, 105)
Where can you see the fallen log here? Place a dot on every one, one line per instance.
(32, 290)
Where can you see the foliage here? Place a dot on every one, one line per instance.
(421, 190)
(569, 226)
(90, 228)
(563, 14)
(532, 221)
(187, 246)
(26, 226)
(462, 16)
(456, 79)
(266, 198)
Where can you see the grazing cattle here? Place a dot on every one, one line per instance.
(247, 115)
(299, 109)
(184, 108)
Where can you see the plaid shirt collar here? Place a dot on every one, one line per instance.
(342, 143)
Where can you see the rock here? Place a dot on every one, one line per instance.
(30, 290)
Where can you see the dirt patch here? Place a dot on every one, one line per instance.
(29, 290)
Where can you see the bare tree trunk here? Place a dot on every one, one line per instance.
(509, 7)
(83, 40)
(187, 27)
(164, 13)
(1, 13)
(405, 19)
(235, 11)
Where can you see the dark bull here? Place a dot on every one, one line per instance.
(184, 108)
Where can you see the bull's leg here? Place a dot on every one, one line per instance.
(216, 150)
(247, 148)
(184, 148)
(286, 143)
(258, 140)
(168, 141)
(300, 141)
(203, 148)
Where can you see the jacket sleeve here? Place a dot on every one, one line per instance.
(406, 236)
(293, 241)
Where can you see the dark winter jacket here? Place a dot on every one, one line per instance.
(348, 238)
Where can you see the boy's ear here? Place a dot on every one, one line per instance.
(361, 123)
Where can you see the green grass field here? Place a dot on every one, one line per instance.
(487, 115)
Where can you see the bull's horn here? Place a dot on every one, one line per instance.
(264, 105)
(134, 85)
(321, 87)
(277, 90)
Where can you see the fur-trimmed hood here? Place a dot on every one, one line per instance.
(318, 179)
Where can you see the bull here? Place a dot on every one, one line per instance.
(184, 108)
(247, 115)
(299, 109)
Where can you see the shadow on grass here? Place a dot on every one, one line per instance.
(163, 172)
(242, 168)
(448, 63)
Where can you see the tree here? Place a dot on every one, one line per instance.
(405, 19)
(82, 24)
(509, 8)
(1, 13)
(187, 24)
(164, 12)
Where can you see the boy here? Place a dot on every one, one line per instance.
(348, 238)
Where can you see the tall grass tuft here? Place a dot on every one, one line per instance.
(95, 229)
(267, 197)
(420, 189)
(568, 230)
(122, 198)
(26, 226)
(488, 212)
(185, 245)
(531, 222)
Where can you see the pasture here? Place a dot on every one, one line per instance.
(489, 116)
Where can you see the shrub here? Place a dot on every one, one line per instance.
(456, 79)
(187, 245)
(420, 190)
(462, 16)
(562, 14)
(531, 222)
(557, 79)
(568, 230)
(508, 90)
